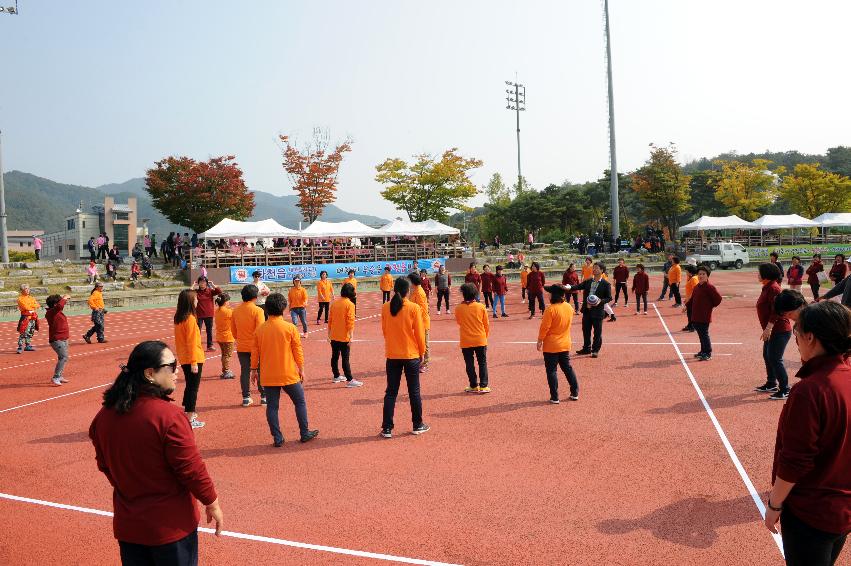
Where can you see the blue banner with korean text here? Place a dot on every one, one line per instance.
(282, 273)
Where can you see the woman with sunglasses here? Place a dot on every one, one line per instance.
(811, 476)
(145, 447)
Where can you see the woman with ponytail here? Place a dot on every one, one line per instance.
(145, 447)
(405, 346)
(811, 476)
(187, 341)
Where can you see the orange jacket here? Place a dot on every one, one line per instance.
(675, 274)
(297, 297)
(245, 320)
(555, 328)
(28, 303)
(404, 335)
(96, 300)
(386, 282)
(690, 285)
(277, 352)
(473, 324)
(587, 272)
(187, 341)
(341, 319)
(352, 280)
(524, 275)
(324, 291)
(419, 297)
(222, 321)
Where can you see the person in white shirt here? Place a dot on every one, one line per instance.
(263, 290)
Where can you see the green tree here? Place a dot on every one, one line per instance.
(747, 188)
(812, 191)
(428, 188)
(838, 160)
(497, 191)
(703, 185)
(663, 187)
(521, 187)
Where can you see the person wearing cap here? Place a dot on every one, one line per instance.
(263, 291)
(98, 311)
(596, 293)
(474, 328)
(554, 342)
(297, 298)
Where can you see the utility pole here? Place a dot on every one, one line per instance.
(518, 104)
(4, 241)
(613, 169)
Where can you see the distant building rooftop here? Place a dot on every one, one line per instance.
(121, 208)
(23, 233)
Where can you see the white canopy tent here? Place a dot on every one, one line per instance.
(782, 221)
(268, 228)
(427, 228)
(348, 229)
(717, 223)
(833, 219)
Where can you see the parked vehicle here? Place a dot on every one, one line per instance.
(722, 254)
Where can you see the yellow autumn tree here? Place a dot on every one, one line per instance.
(812, 191)
(663, 187)
(745, 188)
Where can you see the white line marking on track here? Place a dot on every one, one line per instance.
(730, 451)
(244, 536)
(56, 397)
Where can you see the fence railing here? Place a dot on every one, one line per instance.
(768, 240)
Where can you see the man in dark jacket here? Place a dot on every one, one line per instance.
(593, 314)
(843, 288)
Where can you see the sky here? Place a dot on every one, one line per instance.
(94, 92)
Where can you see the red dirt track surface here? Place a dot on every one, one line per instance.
(633, 473)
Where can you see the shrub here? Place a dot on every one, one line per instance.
(21, 256)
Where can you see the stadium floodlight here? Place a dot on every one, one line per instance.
(517, 102)
(11, 10)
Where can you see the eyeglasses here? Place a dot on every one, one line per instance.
(172, 365)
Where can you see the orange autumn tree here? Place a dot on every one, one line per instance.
(313, 171)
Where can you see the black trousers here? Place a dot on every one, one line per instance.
(554, 360)
(638, 298)
(489, 298)
(183, 552)
(193, 381)
(575, 297)
(208, 322)
(523, 293)
(444, 294)
(385, 296)
(814, 287)
(702, 329)
(675, 291)
(621, 286)
(354, 301)
(589, 323)
(338, 348)
(772, 354)
(665, 288)
(688, 316)
(395, 368)
(804, 545)
(540, 297)
(481, 355)
(323, 307)
(245, 374)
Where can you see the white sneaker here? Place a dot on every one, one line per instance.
(196, 423)
(354, 383)
(56, 381)
(338, 379)
(448, 311)
(438, 313)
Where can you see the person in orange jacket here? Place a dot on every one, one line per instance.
(297, 299)
(245, 321)
(277, 364)
(474, 328)
(340, 329)
(28, 322)
(324, 295)
(386, 285)
(98, 314)
(190, 354)
(351, 280)
(524, 277)
(404, 348)
(223, 321)
(419, 297)
(554, 342)
(675, 276)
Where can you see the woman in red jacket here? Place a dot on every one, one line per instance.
(640, 286)
(205, 311)
(811, 475)
(704, 298)
(795, 274)
(812, 275)
(776, 332)
(535, 288)
(837, 272)
(571, 277)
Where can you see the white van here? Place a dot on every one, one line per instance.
(722, 254)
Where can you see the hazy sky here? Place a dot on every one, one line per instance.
(95, 92)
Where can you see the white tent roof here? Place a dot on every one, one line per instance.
(778, 221)
(717, 223)
(349, 229)
(829, 219)
(427, 228)
(268, 228)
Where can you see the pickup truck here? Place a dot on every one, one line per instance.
(722, 254)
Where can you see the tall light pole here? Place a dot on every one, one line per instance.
(516, 100)
(613, 169)
(4, 241)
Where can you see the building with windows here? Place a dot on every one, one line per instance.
(22, 240)
(116, 220)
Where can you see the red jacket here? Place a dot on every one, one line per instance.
(57, 323)
(812, 272)
(813, 449)
(205, 308)
(621, 274)
(500, 285)
(150, 458)
(426, 285)
(572, 279)
(837, 272)
(640, 283)
(535, 282)
(795, 274)
(704, 298)
(475, 279)
(765, 310)
(487, 282)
